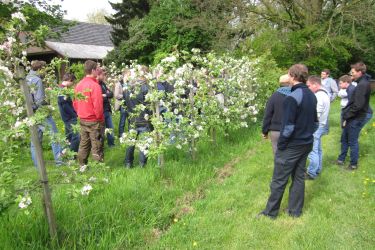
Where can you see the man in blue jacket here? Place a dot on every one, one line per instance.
(295, 143)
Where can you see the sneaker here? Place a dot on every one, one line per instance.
(352, 167)
(340, 163)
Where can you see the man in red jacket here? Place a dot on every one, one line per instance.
(90, 113)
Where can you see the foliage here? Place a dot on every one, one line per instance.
(321, 34)
(127, 10)
(78, 70)
(171, 25)
(209, 92)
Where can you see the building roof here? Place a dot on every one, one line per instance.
(81, 41)
(79, 51)
(87, 33)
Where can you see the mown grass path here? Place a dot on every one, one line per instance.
(207, 204)
(338, 212)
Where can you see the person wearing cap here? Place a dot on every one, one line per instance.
(274, 112)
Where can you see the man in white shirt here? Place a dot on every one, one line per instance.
(329, 84)
(322, 108)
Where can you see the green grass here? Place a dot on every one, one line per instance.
(207, 204)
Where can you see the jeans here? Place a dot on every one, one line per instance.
(129, 157)
(366, 120)
(123, 116)
(56, 148)
(349, 139)
(316, 155)
(71, 136)
(109, 124)
(288, 162)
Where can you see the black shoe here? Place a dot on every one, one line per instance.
(262, 214)
(309, 177)
(352, 167)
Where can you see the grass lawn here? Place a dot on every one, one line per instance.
(207, 204)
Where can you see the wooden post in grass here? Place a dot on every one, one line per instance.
(47, 201)
(158, 137)
(193, 142)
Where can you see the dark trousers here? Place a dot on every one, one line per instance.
(92, 138)
(129, 157)
(109, 124)
(121, 127)
(71, 136)
(288, 162)
(349, 139)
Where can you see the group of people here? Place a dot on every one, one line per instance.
(296, 118)
(92, 105)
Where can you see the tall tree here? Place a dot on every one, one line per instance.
(320, 33)
(125, 12)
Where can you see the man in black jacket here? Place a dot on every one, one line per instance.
(139, 119)
(274, 112)
(355, 115)
(295, 143)
(107, 96)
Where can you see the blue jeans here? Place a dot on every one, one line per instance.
(316, 155)
(349, 139)
(109, 124)
(366, 120)
(129, 157)
(71, 136)
(121, 127)
(56, 148)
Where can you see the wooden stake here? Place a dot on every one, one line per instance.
(47, 201)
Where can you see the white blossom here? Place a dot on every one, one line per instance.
(25, 202)
(20, 16)
(86, 189)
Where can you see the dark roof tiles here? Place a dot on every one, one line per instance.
(87, 33)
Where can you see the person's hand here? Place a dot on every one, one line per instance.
(104, 95)
(344, 124)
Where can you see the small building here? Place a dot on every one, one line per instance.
(81, 42)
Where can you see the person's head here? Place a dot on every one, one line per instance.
(298, 73)
(126, 74)
(101, 74)
(284, 80)
(37, 65)
(90, 68)
(344, 81)
(314, 83)
(325, 73)
(68, 79)
(358, 70)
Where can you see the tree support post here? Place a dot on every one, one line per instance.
(46, 198)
